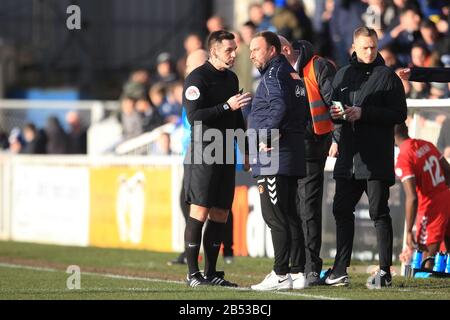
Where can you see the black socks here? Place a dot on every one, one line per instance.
(212, 239)
(192, 241)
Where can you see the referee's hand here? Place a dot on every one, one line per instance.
(239, 101)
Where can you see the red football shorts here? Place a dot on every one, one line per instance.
(433, 225)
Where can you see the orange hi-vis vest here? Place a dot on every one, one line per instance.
(319, 111)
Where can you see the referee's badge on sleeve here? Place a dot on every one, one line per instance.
(192, 93)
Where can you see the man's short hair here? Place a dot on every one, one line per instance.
(30, 126)
(422, 45)
(250, 24)
(271, 39)
(408, 8)
(428, 24)
(218, 37)
(364, 32)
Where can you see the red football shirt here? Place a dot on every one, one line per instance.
(420, 159)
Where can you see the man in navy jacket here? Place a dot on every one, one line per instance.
(277, 153)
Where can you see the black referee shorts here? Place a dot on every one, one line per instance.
(209, 185)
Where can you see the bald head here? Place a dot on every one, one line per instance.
(72, 117)
(195, 60)
(287, 50)
(73, 120)
(284, 41)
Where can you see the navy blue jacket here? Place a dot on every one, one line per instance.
(279, 103)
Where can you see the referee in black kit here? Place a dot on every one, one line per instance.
(213, 102)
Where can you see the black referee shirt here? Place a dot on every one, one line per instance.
(205, 94)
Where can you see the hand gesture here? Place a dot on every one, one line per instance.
(239, 101)
(404, 74)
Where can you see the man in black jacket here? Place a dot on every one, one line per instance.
(318, 146)
(374, 102)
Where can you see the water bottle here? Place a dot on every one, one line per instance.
(439, 262)
(417, 260)
(443, 261)
(408, 271)
(422, 275)
(447, 268)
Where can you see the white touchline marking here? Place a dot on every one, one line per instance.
(116, 276)
(106, 275)
(290, 293)
(18, 266)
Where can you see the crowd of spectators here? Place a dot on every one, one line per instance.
(411, 33)
(51, 139)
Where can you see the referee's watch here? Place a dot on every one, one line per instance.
(226, 106)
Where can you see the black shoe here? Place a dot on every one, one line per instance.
(196, 279)
(380, 280)
(217, 279)
(335, 280)
(313, 279)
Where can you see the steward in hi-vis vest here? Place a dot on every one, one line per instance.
(321, 119)
(317, 73)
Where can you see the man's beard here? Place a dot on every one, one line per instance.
(262, 67)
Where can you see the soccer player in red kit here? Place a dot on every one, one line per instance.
(425, 175)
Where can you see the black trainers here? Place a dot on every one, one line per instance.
(334, 280)
(313, 279)
(196, 279)
(380, 280)
(217, 279)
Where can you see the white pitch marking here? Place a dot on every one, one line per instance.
(116, 276)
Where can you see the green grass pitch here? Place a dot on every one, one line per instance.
(36, 271)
